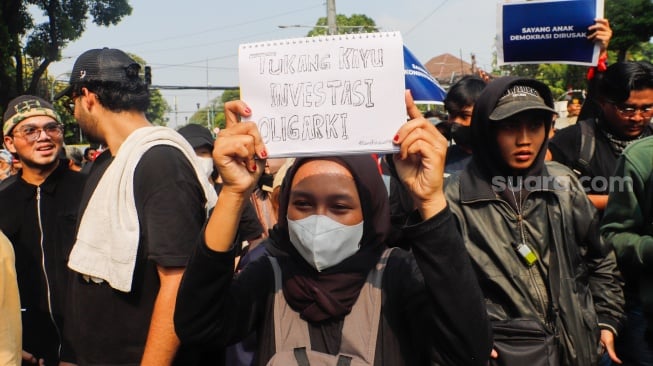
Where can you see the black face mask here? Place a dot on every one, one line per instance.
(462, 135)
(445, 129)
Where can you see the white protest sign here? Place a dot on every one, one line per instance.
(327, 95)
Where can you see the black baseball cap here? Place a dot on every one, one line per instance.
(516, 99)
(101, 64)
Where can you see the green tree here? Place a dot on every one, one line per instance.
(216, 109)
(156, 113)
(525, 70)
(641, 52)
(356, 23)
(227, 96)
(64, 21)
(631, 22)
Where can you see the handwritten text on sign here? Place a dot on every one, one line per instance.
(325, 95)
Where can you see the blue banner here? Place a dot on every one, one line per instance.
(547, 32)
(423, 86)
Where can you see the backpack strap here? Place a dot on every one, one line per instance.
(360, 329)
(587, 146)
(290, 331)
(301, 356)
(361, 326)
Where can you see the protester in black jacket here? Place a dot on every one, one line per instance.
(622, 97)
(39, 216)
(533, 235)
(431, 305)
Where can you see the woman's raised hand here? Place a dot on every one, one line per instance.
(420, 160)
(239, 152)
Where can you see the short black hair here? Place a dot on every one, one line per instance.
(463, 93)
(119, 96)
(87, 149)
(621, 78)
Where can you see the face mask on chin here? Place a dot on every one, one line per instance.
(206, 165)
(324, 242)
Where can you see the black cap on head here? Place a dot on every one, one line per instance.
(516, 99)
(197, 135)
(102, 64)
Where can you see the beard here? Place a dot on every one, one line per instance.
(91, 132)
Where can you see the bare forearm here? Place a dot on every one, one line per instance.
(223, 223)
(162, 342)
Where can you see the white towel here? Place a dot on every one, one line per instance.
(108, 236)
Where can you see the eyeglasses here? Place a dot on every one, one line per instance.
(32, 133)
(628, 112)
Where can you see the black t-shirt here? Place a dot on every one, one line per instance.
(110, 326)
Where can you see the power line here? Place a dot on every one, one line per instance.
(426, 17)
(210, 43)
(222, 27)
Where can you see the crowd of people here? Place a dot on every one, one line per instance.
(497, 240)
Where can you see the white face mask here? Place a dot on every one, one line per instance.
(206, 165)
(324, 242)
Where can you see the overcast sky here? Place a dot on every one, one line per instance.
(195, 42)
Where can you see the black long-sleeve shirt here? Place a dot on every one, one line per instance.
(432, 304)
(40, 223)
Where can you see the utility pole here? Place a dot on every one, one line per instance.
(462, 66)
(176, 113)
(331, 17)
(208, 102)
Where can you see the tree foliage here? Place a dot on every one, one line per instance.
(356, 23)
(631, 22)
(216, 110)
(641, 52)
(22, 37)
(156, 113)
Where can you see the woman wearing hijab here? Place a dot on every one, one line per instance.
(329, 245)
(533, 236)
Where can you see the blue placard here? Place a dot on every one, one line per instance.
(547, 32)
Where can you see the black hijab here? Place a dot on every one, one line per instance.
(331, 293)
